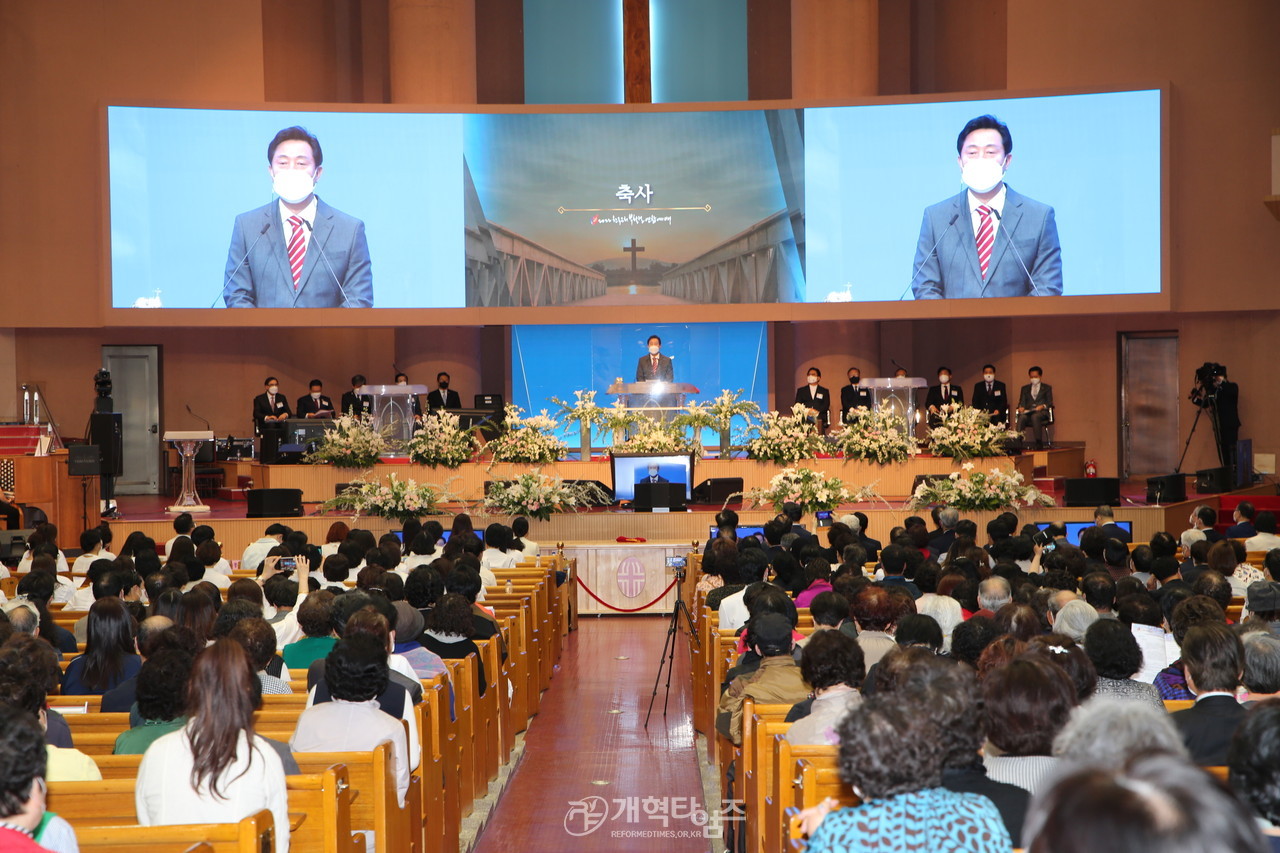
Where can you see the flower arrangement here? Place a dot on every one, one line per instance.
(620, 419)
(881, 437)
(441, 441)
(539, 495)
(584, 410)
(999, 488)
(810, 489)
(353, 442)
(529, 440)
(967, 433)
(394, 498)
(785, 439)
(654, 436)
(730, 405)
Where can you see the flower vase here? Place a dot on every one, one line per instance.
(584, 441)
(724, 443)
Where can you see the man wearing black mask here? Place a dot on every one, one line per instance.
(853, 395)
(442, 397)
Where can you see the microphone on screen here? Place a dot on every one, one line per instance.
(247, 252)
(925, 259)
(1034, 286)
(328, 266)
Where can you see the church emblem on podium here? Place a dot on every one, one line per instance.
(631, 577)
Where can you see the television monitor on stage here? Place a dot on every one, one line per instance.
(744, 530)
(1074, 529)
(632, 468)
(443, 539)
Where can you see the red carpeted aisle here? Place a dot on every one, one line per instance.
(575, 741)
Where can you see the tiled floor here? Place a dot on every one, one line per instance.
(575, 741)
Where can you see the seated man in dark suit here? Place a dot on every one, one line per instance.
(854, 396)
(1104, 518)
(270, 408)
(991, 396)
(316, 404)
(1035, 406)
(1213, 659)
(355, 401)
(1204, 518)
(942, 394)
(1243, 518)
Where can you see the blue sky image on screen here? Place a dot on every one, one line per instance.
(870, 171)
(179, 177)
(555, 361)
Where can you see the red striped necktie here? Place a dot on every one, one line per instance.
(986, 238)
(298, 250)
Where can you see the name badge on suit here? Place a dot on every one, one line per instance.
(996, 393)
(279, 404)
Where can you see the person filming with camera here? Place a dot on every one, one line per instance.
(1220, 397)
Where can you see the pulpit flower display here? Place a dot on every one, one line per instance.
(441, 441)
(584, 410)
(530, 440)
(654, 436)
(729, 405)
(968, 433)
(392, 498)
(811, 489)
(785, 439)
(999, 488)
(353, 442)
(539, 495)
(881, 437)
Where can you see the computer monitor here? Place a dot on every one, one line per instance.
(631, 468)
(744, 530)
(1075, 527)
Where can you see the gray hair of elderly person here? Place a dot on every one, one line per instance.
(994, 593)
(1261, 662)
(946, 611)
(854, 523)
(1057, 598)
(24, 618)
(948, 517)
(1189, 537)
(1074, 619)
(854, 554)
(1108, 731)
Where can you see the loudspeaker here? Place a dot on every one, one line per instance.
(1213, 480)
(716, 490)
(83, 460)
(1167, 489)
(106, 430)
(1093, 491)
(274, 503)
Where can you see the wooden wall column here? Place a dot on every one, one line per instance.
(835, 48)
(432, 49)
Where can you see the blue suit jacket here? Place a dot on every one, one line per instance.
(952, 272)
(264, 281)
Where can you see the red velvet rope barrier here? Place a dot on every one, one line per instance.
(588, 591)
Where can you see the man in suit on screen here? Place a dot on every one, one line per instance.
(988, 240)
(655, 367)
(297, 251)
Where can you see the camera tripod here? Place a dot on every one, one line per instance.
(667, 660)
(1217, 433)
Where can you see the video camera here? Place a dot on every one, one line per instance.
(1205, 392)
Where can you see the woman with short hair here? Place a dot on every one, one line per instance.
(1026, 704)
(1116, 656)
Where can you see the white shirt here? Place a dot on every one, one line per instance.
(218, 580)
(255, 780)
(256, 552)
(287, 629)
(530, 547)
(407, 715)
(84, 561)
(328, 549)
(308, 215)
(169, 545)
(492, 558)
(997, 202)
(24, 564)
(222, 567)
(341, 726)
(733, 611)
(82, 599)
(1261, 542)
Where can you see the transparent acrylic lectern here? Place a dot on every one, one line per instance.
(896, 395)
(393, 412)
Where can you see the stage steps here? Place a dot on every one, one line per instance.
(239, 493)
(19, 439)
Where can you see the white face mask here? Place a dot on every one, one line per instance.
(653, 350)
(273, 389)
(315, 395)
(1035, 381)
(982, 174)
(358, 389)
(944, 379)
(293, 185)
(812, 380)
(402, 382)
(989, 377)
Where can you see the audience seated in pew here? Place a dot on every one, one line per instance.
(215, 766)
(23, 679)
(833, 667)
(315, 618)
(448, 632)
(25, 826)
(161, 700)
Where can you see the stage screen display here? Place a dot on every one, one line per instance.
(555, 361)
(1075, 528)
(192, 201)
(546, 209)
(887, 216)
(630, 470)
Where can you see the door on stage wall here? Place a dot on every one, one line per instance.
(135, 380)
(1149, 403)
